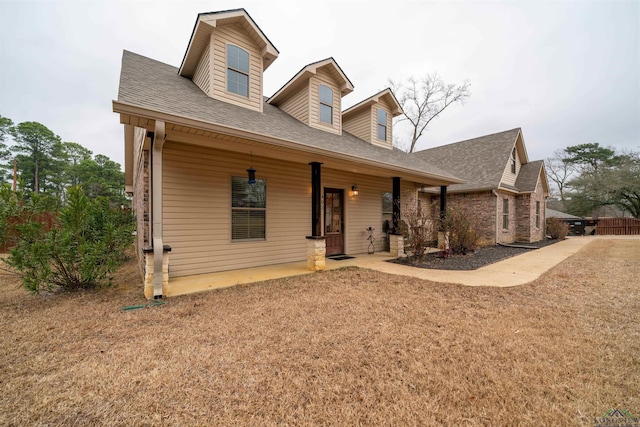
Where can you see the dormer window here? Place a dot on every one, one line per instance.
(237, 70)
(382, 124)
(326, 104)
(513, 161)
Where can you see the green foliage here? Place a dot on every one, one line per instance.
(38, 152)
(9, 209)
(5, 125)
(463, 233)
(557, 229)
(81, 251)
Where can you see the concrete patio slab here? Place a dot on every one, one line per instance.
(513, 271)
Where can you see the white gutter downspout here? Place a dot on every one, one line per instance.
(497, 222)
(156, 185)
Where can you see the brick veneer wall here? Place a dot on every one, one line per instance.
(480, 208)
(526, 214)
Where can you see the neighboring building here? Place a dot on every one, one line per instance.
(505, 193)
(224, 180)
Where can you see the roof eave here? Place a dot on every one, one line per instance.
(127, 108)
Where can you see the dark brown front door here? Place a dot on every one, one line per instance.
(333, 220)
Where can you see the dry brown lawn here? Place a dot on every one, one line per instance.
(346, 347)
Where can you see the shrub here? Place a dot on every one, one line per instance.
(557, 228)
(85, 245)
(462, 231)
(418, 231)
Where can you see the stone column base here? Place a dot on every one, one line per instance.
(316, 251)
(148, 271)
(443, 241)
(396, 245)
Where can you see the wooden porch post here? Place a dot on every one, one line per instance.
(316, 193)
(396, 205)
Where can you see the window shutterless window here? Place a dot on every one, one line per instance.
(326, 103)
(537, 214)
(513, 161)
(237, 70)
(248, 209)
(505, 214)
(382, 124)
(387, 209)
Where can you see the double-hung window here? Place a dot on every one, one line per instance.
(513, 161)
(248, 209)
(382, 124)
(505, 214)
(537, 214)
(325, 93)
(237, 70)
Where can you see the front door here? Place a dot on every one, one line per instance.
(333, 220)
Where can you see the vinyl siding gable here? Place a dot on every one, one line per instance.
(235, 35)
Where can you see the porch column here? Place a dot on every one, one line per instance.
(443, 201)
(316, 244)
(158, 138)
(443, 239)
(396, 239)
(316, 194)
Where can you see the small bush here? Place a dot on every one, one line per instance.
(557, 229)
(462, 232)
(417, 230)
(85, 245)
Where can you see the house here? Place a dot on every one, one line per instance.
(222, 178)
(504, 192)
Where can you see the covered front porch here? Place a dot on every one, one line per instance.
(224, 279)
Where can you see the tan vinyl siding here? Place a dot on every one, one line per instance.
(236, 35)
(374, 125)
(360, 125)
(324, 77)
(362, 211)
(197, 210)
(509, 177)
(298, 105)
(203, 70)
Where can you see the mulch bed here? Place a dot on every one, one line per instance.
(472, 260)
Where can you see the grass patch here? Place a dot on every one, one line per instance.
(346, 347)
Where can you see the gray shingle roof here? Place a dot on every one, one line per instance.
(479, 161)
(528, 176)
(156, 86)
(552, 213)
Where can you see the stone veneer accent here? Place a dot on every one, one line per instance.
(396, 245)
(316, 252)
(148, 271)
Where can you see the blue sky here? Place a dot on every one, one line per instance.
(566, 72)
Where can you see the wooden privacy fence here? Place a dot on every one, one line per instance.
(618, 226)
(46, 218)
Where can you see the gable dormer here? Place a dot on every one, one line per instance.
(226, 57)
(314, 95)
(371, 119)
(517, 158)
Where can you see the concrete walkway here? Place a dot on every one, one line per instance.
(513, 271)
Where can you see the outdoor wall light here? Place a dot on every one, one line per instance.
(354, 189)
(252, 175)
(252, 172)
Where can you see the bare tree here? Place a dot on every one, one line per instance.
(560, 171)
(424, 99)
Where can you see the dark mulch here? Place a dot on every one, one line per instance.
(473, 260)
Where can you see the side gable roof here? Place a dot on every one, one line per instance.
(155, 88)
(479, 161)
(305, 74)
(386, 94)
(202, 29)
